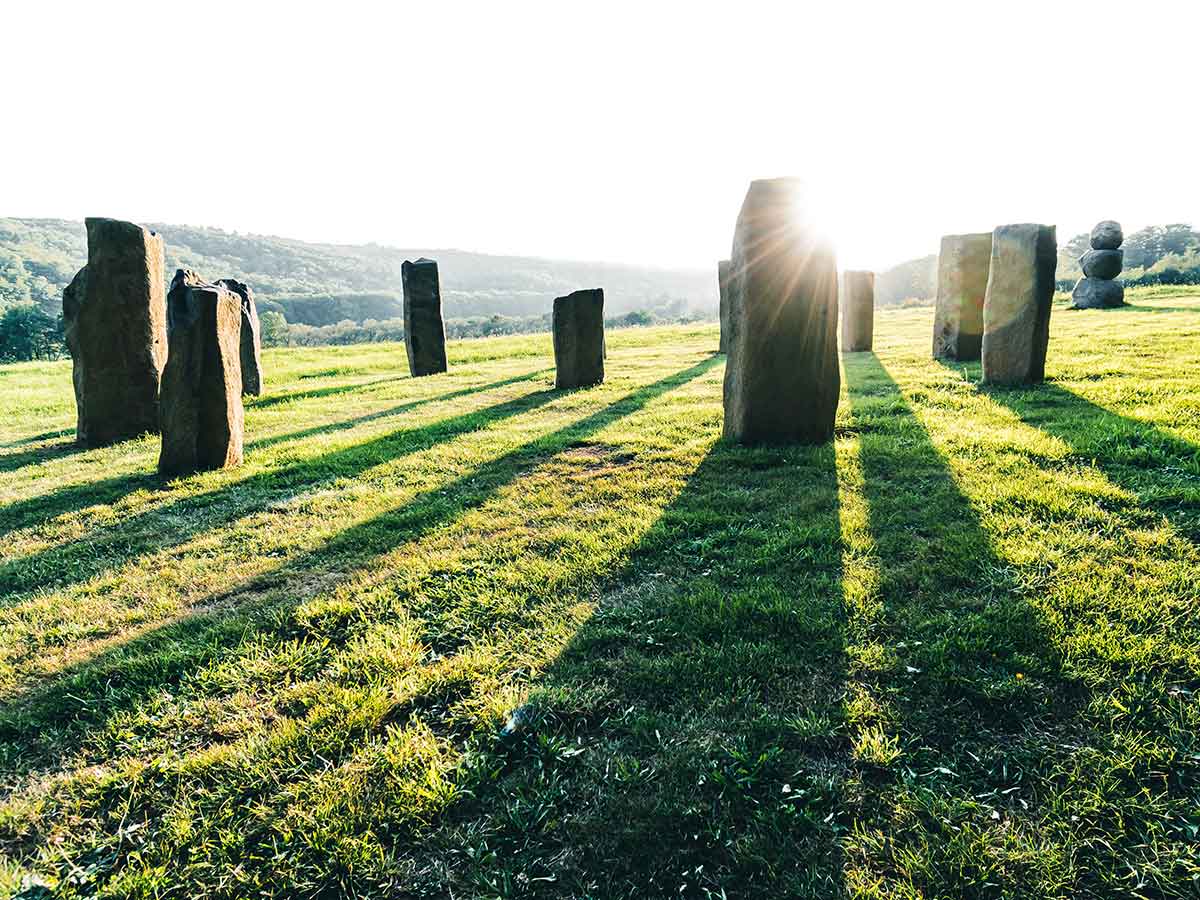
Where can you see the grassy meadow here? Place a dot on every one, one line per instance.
(466, 636)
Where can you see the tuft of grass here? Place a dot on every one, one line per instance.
(465, 635)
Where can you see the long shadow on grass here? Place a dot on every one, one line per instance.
(55, 718)
(1162, 470)
(314, 393)
(707, 679)
(10, 462)
(34, 510)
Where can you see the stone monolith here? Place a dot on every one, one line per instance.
(858, 310)
(424, 331)
(578, 331)
(782, 377)
(1016, 308)
(251, 354)
(723, 274)
(202, 383)
(114, 317)
(962, 278)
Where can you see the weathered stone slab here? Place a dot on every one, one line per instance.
(579, 346)
(1104, 264)
(858, 311)
(251, 355)
(1097, 293)
(1016, 308)
(202, 417)
(114, 316)
(963, 265)
(1107, 235)
(424, 331)
(723, 275)
(782, 377)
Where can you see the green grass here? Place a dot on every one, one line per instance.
(467, 636)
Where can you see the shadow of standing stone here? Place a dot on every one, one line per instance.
(579, 346)
(202, 417)
(424, 331)
(1016, 309)
(782, 378)
(858, 311)
(963, 265)
(114, 318)
(251, 355)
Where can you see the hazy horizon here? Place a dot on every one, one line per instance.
(623, 135)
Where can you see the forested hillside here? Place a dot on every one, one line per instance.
(322, 284)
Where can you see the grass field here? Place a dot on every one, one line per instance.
(954, 654)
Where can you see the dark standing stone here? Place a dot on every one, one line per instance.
(578, 326)
(251, 337)
(723, 274)
(963, 265)
(1097, 293)
(858, 310)
(1016, 309)
(1107, 235)
(1105, 264)
(424, 332)
(782, 378)
(114, 317)
(202, 383)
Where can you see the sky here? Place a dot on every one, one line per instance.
(613, 131)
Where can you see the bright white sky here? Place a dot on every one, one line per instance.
(610, 131)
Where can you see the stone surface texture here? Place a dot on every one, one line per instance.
(723, 275)
(858, 311)
(1016, 308)
(424, 331)
(579, 345)
(252, 379)
(963, 265)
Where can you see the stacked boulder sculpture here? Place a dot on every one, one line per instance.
(1016, 307)
(724, 272)
(782, 379)
(1098, 288)
(578, 332)
(858, 311)
(251, 354)
(202, 417)
(424, 331)
(114, 316)
(962, 276)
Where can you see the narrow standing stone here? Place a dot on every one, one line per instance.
(251, 355)
(782, 378)
(723, 275)
(1016, 309)
(858, 311)
(424, 332)
(202, 383)
(114, 316)
(579, 346)
(963, 265)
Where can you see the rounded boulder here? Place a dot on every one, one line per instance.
(1107, 235)
(1098, 293)
(1104, 264)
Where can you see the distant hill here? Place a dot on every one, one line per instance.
(321, 284)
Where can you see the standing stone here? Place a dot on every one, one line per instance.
(251, 355)
(723, 274)
(114, 316)
(782, 378)
(1097, 289)
(962, 279)
(858, 310)
(1016, 308)
(424, 332)
(202, 383)
(578, 327)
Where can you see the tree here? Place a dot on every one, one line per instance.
(28, 333)
(274, 327)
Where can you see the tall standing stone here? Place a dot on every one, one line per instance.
(723, 274)
(578, 331)
(963, 265)
(424, 332)
(1016, 308)
(858, 311)
(202, 383)
(251, 355)
(114, 316)
(782, 378)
